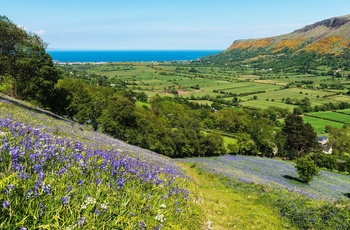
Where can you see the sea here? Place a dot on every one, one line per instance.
(128, 56)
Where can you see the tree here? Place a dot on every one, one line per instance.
(300, 137)
(118, 119)
(306, 168)
(24, 59)
(339, 140)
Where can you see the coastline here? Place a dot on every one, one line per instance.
(110, 56)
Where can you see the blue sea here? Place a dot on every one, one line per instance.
(129, 56)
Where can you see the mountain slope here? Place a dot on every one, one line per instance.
(330, 36)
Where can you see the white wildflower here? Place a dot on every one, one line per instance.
(104, 206)
(88, 201)
(160, 217)
(163, 206)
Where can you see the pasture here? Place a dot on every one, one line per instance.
(332, 116)
(319, 124)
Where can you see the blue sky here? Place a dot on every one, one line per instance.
(164, 24)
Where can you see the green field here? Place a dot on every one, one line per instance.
(206, 84)
(263, 104)
(347, 111)
(333, 116)
(320, 124)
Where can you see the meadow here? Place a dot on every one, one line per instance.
(56, 174)
(319, 124)
(59, 174)
(275, 173)
(332, 116)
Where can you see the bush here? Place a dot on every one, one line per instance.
(306, 168)
(325, 161)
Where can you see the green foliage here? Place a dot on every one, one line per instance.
(24, 59)
(299, 137)
(306, 168)
(339, 140)
(325, 161)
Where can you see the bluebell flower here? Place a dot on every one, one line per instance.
(80, 182)
(81, 221)
(47, 189)
(5, 204)
(65, 200)
(97, 212)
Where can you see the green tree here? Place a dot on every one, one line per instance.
(339, 140)
(24, 59)
(306, 168)
(212, 145)
(300, 137)
(118, 119)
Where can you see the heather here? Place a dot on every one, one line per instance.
(52, 179)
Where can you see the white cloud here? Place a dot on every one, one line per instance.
(40, 32)
(22, 27)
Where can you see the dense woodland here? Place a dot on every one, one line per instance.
(172, 126)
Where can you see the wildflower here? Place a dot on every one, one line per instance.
(98, 181)
(47, 189)
(120, 182)
(160, 217)
(23, 228)
(65, 200)
(81, 221)
(88, 201)
(158, 227)
(163, 206)
(104, 206)
(97, 212)
(5, 204)
(29, 194)
(142, 224)
(42, 209)
(80, 182)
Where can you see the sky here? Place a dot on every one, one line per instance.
(164, 24)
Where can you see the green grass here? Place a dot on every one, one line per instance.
(347, 111)
(224, 208)
(342, 118)
(263, 104)
(320, 124)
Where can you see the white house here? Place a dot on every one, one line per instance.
(324, 143)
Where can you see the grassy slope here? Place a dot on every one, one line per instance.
(220, 207)
(226, 209)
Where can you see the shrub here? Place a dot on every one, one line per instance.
(306, 168)
(325, 161)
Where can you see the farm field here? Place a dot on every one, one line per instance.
(347, 111)
(263, 104)
(319, 124)
(204, 85)
(333, 116)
